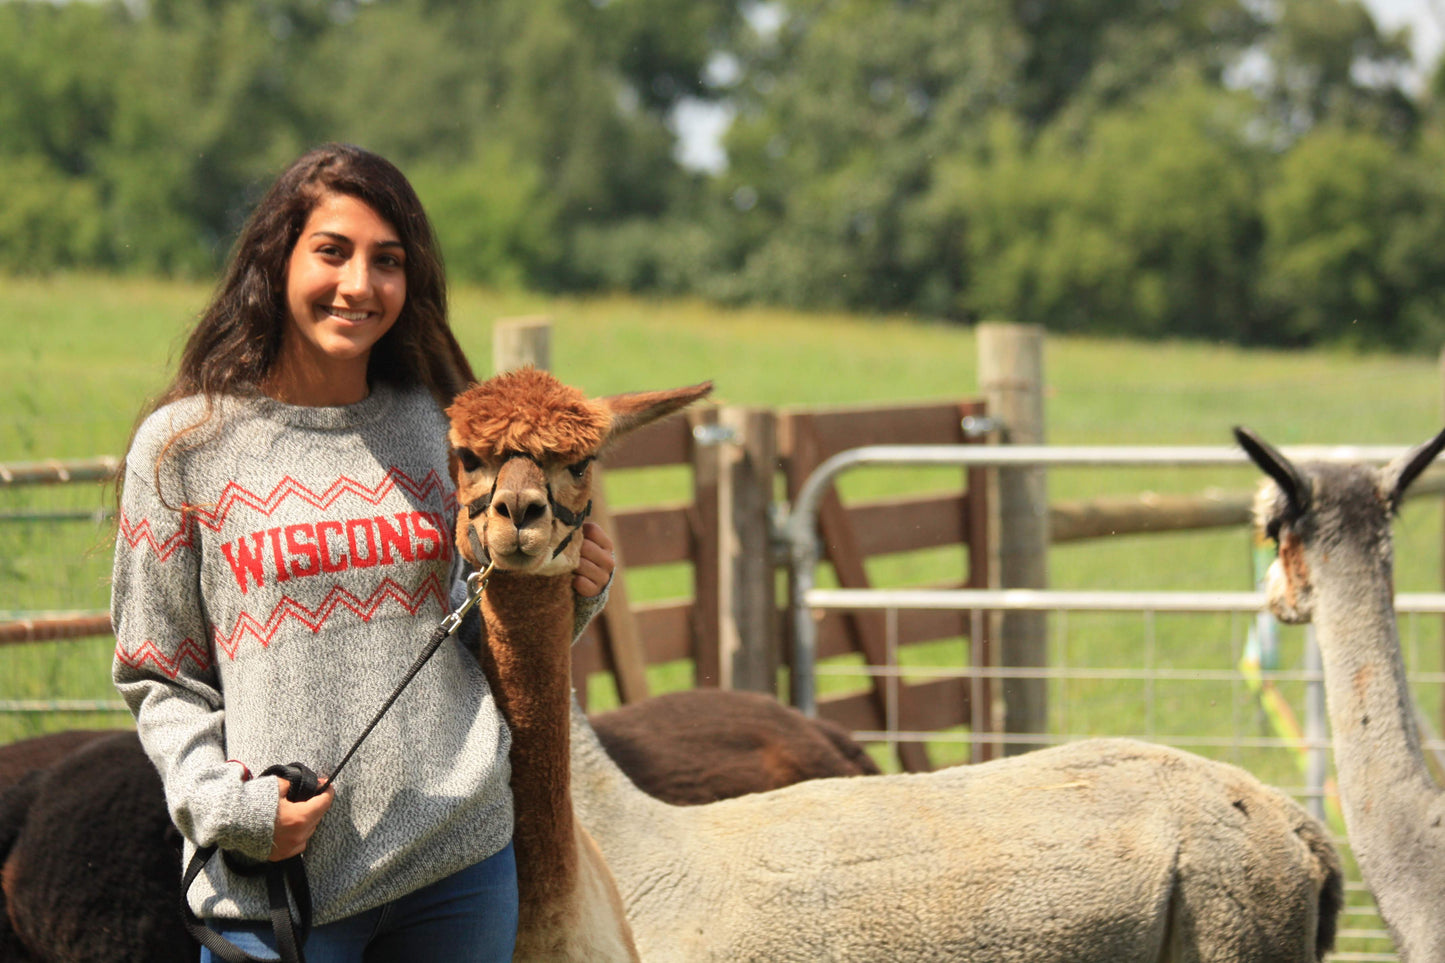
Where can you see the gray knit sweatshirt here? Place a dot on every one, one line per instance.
(270, 621)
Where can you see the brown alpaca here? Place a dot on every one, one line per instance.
(523, 447)
(701, 745)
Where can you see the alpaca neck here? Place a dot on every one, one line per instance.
(606, 798)
(1385, 787)
(528, 661)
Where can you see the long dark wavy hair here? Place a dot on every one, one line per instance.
(234, 345)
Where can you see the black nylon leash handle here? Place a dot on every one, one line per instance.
(286, 881)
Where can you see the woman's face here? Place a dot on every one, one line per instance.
(345, 288)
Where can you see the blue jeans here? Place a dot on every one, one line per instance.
(469, 917)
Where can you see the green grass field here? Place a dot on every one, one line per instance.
(82, 353)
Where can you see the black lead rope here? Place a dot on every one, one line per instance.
(286, 881)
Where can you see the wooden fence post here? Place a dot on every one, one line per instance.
(747, 603)
(518, 342)
(708, 572)
(1010, 376)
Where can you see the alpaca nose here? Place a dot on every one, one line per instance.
(522, 507)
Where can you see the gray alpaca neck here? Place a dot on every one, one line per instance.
(1377, 740)
(602, 793)
(1391, 804)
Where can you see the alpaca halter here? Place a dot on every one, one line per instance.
(560, 512)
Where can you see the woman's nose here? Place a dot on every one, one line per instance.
(355, 278)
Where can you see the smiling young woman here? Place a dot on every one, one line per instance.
(280, 561)
(345, 288)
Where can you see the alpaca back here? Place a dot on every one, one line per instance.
(702, 745)
(1083, 852)
(95, 871)
(26, 755)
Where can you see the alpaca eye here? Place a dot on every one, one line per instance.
(578, 469)
(468, 458)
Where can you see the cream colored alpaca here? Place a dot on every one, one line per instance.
(1335, 568)
(1102, 851)
(523, 446)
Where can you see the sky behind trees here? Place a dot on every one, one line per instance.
(1423, 20)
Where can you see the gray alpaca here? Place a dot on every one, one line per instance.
(1335, 568)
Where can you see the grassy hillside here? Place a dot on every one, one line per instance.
(81, 354)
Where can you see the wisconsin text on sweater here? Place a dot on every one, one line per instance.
(297, 551)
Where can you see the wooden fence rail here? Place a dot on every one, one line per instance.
(732, 625)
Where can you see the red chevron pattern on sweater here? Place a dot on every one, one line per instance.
(338, 599)
(136, 533)
(234, 495)
(171, 667)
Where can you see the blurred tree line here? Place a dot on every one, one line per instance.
(1223, 169)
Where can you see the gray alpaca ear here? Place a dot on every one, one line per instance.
(1400, 473)
(1294, 485)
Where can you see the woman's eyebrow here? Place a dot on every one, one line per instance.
(334, 235)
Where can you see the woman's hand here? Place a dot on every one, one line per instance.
(597, 562)
(296, 821)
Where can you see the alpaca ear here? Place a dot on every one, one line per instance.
(1295, 487)
(632, 411)
(1400, 473)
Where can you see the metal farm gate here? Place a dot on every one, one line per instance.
(1221, 695)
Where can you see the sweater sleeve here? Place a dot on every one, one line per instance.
(164, 669)
(587, 609)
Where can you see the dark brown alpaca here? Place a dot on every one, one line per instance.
(684, 748)
(701, 745)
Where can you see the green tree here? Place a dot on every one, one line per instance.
(431, 82)
(206, 116)
(842, 117)
(48, 219)
(56, 98)
(1354, 227)
(1147, 226)
(1083, 56)
(57, 88)
(492, 216)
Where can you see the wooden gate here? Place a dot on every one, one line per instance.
(712, 530)
(854, 533)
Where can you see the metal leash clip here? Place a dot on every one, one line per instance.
(476, 584)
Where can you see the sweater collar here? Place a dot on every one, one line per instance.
(380, 402)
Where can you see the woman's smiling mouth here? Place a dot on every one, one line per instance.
(346, 314)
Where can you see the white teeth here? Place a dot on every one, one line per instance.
(349, 315)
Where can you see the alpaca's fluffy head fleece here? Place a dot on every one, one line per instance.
(522, 451)
(530, 412)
